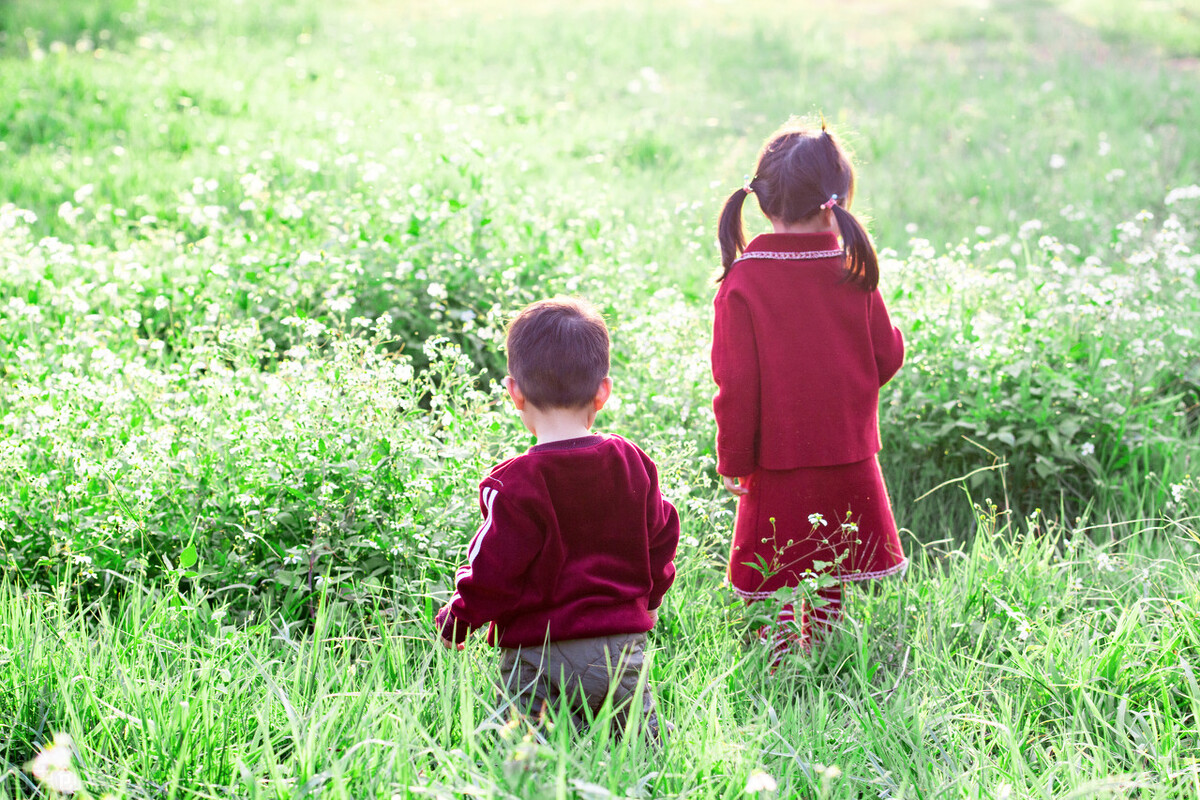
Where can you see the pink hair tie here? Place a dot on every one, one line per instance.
(828, 204)
(746, 187)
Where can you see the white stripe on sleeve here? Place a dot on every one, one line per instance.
(489, 500)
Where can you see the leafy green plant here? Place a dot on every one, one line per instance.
(1072, 370)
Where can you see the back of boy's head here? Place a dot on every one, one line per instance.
(558, 352)
(801, 169)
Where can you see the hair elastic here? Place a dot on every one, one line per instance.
(828, 204)
(746, 187)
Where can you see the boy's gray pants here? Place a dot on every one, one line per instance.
(584, 672)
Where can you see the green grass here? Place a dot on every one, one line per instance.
(1033, 660)
(1172, 28)
(24, 23)
(955, 120)
(255, 263)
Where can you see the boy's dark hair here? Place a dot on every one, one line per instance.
(558, 352)
(799, 169)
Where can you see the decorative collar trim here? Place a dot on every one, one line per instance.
(797, 255)
(793, 247)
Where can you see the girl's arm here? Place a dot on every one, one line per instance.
(885, 338)
(735, 370)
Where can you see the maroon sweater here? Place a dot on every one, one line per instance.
(798, 355)
(576, 541)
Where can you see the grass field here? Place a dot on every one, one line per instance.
(255, 263)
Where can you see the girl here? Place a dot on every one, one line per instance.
(802, 344)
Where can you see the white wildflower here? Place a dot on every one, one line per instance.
(828, 773)
(54, 766)
(69, 213)
(760, 781)
(1027, 229)
(252, 183)
(290, 210)
(1182, 193)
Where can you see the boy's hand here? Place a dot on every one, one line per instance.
(736, 486)
(653, 617)
(439, 622)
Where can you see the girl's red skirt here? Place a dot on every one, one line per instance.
(813, 520)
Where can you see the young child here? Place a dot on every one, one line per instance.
(802, 344)
(577, 544)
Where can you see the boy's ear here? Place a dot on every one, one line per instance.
(603, 393)
(514, 391)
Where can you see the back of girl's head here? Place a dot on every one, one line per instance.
(800, 169)
(558, 352)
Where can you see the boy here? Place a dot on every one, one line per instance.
(577, 545)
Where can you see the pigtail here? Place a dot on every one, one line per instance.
(730, 233)
(862, 265)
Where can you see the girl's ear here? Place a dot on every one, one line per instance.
(514, 391)
(602, 394)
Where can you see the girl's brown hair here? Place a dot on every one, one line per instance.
(799, 169)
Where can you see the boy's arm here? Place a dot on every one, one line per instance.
(491, 582)
(663, 529)
(735, 370)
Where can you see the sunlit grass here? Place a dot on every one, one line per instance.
(1035, 660)
(1171, 27)
(957, 114)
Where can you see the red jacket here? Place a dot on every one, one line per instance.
(576, 541)
(798, 355)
